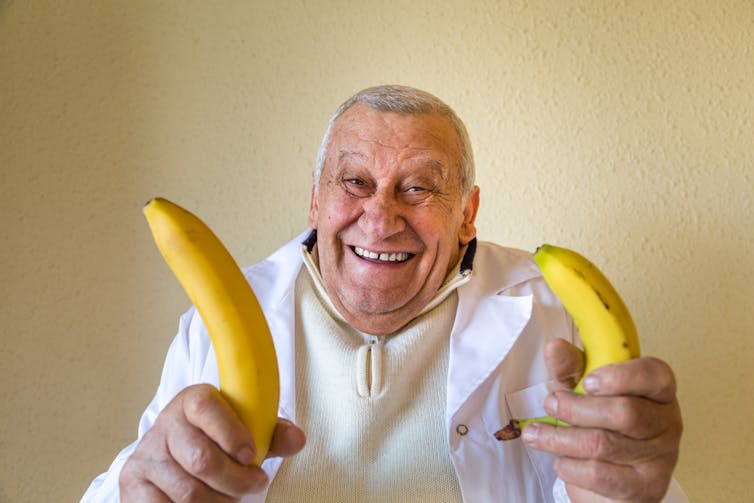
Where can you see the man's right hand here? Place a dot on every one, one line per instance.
(199, 450)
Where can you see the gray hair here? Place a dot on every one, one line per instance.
(407, 101)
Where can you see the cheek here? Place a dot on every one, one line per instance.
(440, 230)
(339, 208)
(441, 238)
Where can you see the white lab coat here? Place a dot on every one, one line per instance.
(496, 371)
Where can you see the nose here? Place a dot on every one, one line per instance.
(382, 216)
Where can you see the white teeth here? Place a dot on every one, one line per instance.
(384, 257)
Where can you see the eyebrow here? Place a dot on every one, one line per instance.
(435, 165)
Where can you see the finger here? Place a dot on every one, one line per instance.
(206, 409)
(593, 443)
(198, 455)
(647, 377)
(179, 485)
(564, 361)
(150, 477)
(618, 482)
(134, 489)
(631, 416)
(287, 440)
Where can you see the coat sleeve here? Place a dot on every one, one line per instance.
(183, 366)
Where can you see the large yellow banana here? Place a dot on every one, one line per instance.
(243, 345)
(604, 323)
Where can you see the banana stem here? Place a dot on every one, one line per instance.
(513, 429)
(544, 420)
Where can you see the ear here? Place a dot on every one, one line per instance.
(467, 232)
(313, 209)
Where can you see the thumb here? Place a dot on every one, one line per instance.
(287, 440)
(564, 361)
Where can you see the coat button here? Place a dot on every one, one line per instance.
(462, 429)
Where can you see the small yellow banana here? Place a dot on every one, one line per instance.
(246, 359)
(604, 323)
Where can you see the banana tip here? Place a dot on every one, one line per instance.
(510, 431)
(151, 201)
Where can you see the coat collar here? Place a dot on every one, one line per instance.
(491, 316)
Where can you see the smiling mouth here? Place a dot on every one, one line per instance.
(382, 257)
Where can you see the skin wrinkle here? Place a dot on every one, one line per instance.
(435, 164)
(427, 185)
(431, 186)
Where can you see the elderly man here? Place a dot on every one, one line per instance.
(404, 345)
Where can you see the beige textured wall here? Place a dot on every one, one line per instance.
(622, 129)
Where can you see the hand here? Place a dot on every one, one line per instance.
(199, 450)
(625, 434)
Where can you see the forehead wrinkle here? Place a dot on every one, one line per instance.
(345, 154)
(435, 165)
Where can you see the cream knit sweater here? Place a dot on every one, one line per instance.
(373, 407)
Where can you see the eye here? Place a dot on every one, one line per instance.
(355, 186)
(417, 194)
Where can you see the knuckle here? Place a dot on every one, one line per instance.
(129, 476)
(657, 478)
(663, 375)
(199, 401)
(601, 445)
(623, 414)
(255, 482)
(655, 493)
(673, 430)
(658, 377)
(679, 427)
(188, 490)
(136, 470)
(675, 421)
(650, 492)
(612, 483)
(200, 460)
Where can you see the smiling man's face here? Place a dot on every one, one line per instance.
(389, 214)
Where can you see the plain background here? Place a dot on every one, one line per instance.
(622, 129)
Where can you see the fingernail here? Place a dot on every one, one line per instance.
(551, 404)
(246, 455)
(591, 383)
(530, 433)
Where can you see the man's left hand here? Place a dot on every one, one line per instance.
(625, 434)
